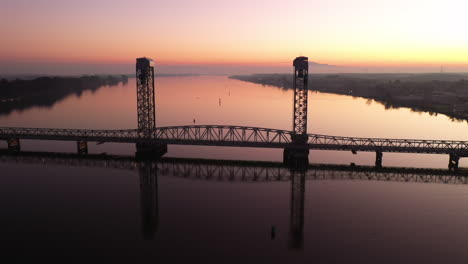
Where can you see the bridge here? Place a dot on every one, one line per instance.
(152, 141)
(239, 136)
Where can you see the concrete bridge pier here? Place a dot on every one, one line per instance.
(14, 145)
(453, 161)
(378, 159)
(296, 157)
(82, 147)
(150, 151)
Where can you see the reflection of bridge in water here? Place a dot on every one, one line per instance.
(152, 141)
(251, 172)
(240, 171)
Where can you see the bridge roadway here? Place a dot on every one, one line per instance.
(239, 136)
(237, 171)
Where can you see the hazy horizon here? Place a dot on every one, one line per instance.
(13, 69)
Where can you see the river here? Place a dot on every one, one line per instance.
(96, 211)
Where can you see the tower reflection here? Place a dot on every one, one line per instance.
(297, 209)
(148, 199)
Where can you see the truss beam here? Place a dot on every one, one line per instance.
(239, 136)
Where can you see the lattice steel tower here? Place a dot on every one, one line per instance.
(301, 69)
(145, 97)
(296, 155)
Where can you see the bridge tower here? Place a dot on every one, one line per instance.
(301, 72)
(298, 152)
(145, 97)
(146, 109)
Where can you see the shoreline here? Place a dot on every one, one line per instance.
(419, 92)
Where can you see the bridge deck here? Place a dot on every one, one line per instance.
(239, 136)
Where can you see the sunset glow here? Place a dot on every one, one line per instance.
(362, 33)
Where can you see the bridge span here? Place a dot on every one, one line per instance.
(151, 141)
(240, 136)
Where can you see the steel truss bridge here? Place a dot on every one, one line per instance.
(240, 136)
(151, 141)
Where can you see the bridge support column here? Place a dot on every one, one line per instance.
(14, 145)
(296, 157)
(150, 151)
(82, 147)
(378, 159)
(453, 161)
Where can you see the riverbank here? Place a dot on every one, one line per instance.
(443, 93)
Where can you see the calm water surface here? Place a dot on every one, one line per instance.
(50, 209)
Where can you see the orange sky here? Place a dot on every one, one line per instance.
(363, 33)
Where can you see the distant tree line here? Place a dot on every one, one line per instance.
(46, 91)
